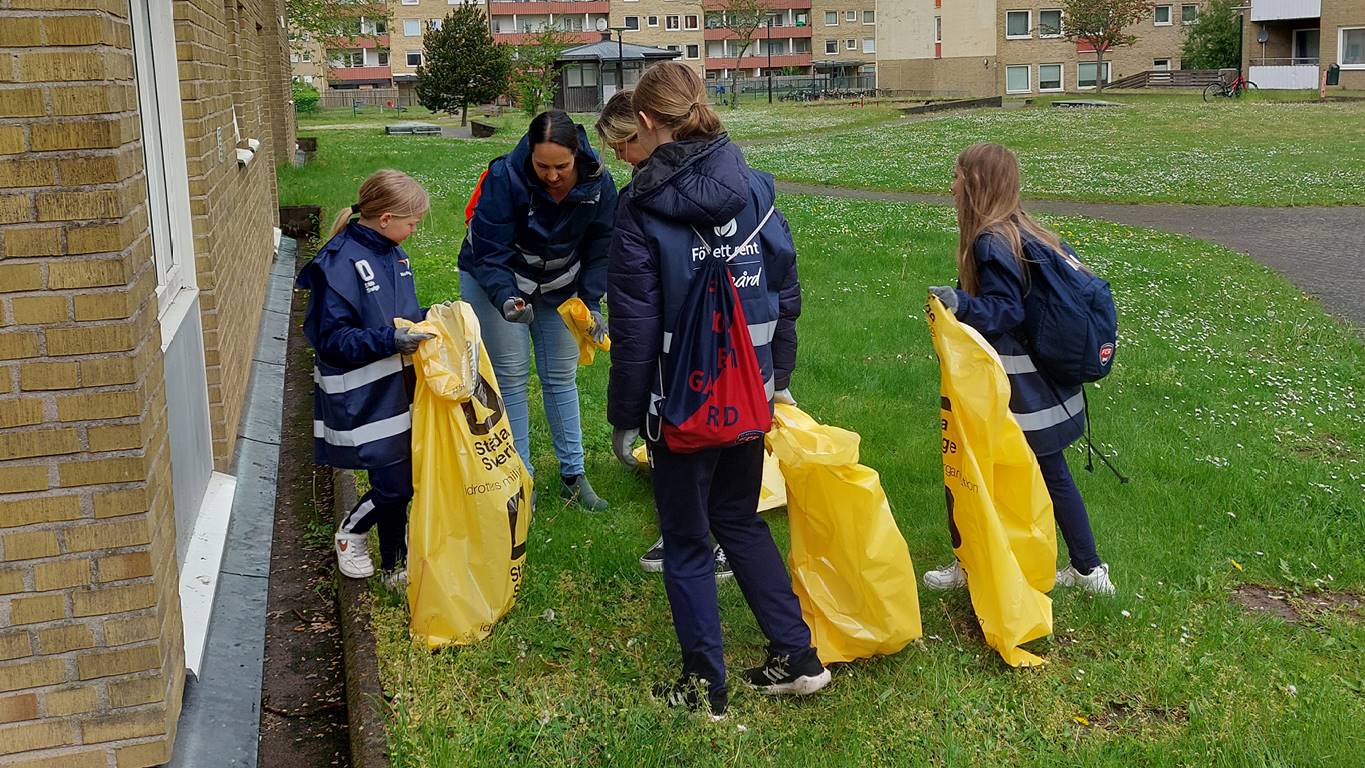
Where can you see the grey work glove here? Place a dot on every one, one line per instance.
(598, 331)
(622, 440)
(784, 396)
(407, 341)
(946, 294)
(517, 310)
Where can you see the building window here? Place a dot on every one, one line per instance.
(775, 47)
(307, 56)
(1351, 47)
(869, 17)
(832, 46)
(851, 45)
(1018, 25)
(938, 29)
(800, 45)
(1189, 14)
(691, 22)
(1049, 77)
(1085, 74)
(831, 18)
(869, 45)
(1016, 79)
(851, 17)
(1050, 22)
(632, 23)
(293, 58)
(412, 28)
(411, 2)
(672, 22)
(694, 51)
(345, 59)
(1161, 16)
(434, 25)
(1161, 65)
(414, 58)
(383, 58)
(652, 21)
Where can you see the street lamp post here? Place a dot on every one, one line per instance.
(620, 58)
(769, 44)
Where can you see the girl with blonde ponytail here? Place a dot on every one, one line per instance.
(695, 200)
(360, 281)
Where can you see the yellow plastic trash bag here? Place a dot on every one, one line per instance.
(576, 316)
(772, 495)
(999, 511)
(850, 567)
(472, 502)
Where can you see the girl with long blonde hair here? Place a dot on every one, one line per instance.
(359, 282)
(998, 244)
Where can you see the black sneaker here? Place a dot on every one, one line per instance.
(693, 693)
(781, 675)
(723, 571)
(653, 560)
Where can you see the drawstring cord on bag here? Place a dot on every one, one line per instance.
(1090, 448)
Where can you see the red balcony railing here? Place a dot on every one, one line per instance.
(355, 74)
(359, 41)
(553, 6)
(779, 33)
(776, 5)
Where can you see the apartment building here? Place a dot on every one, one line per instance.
(844, 38)
(674, 25)
(1291, 43)
(1013, 47)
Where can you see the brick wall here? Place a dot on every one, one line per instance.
(91, 655)
(91, 665)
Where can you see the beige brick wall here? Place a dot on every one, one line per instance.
(1335, 15)
(660, 36)
(91, 655)
(845, 30)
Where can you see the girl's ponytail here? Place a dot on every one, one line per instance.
(675, 96)
(384, 192)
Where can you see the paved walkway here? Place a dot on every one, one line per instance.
(1321, 250)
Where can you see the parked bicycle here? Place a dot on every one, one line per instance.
(1234, 89)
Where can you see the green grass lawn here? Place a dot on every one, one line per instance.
(1171, 149)
(1236, 407)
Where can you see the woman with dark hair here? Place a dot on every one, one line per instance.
(538, 237)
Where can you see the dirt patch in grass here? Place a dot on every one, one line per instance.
(1139, 717)
(1257, 598)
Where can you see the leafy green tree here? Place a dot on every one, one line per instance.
(461, 65)
(1102, 24)
(1214, 41)
(534, 75)
(330, 21)
(305, 97)
(741, 18)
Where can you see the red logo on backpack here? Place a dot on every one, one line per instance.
(1106, 354)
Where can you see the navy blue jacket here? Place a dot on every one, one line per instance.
(1052, 416)
(691, 196)
(360, 281)
(521, 242)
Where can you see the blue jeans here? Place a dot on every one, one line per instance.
(509, 349)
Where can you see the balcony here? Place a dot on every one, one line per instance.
(360, 75)
(1271, 74)
(529, 38)
(570, 7)
(776, 5)
(778, 33)
(750, 60)
(359, 41)
(1273, 10)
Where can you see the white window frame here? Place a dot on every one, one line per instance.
(938, 29)
(869, 45)
(869, 14)
(168, 193)
(1028, 14)
(1183, 6)
(693, 47)
(382, 56)
(1108, 68)
(434, 24)
(407, 58)
(672, 23)
(1156, 65)
(412, 27)
(1341, 48)
(626, 23)
(1061, 78)
(1170, 16)
(411, 2)
(851, 17)
(832, 44)
(651, 21)
(293, 57)
(694, 19)
(850, 45)
(307, 56)
(1061, 21)
(831, 15)
(1028, 78)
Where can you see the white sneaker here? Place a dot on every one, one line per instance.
(353, 555)
(1097, 581)
(947, 577)
(397, 581)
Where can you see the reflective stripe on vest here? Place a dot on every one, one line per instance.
(759, 333)
(362, 435)
(1051, 417)
(342, 383)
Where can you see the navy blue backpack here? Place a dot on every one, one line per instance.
(1070, 324)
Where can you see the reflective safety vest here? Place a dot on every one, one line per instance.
(360, 282)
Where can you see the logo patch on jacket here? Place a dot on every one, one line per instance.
(727, 229)
(366, 273)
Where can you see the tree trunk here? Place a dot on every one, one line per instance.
(1099, 71)
(464, 113)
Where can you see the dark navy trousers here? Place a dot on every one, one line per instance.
(386, 505)
(715, 492)
(1069, 511)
